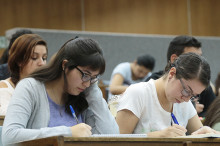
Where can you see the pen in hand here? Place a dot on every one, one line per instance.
(73, 113)
(174, 119)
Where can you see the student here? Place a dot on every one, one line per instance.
(27, 53)
(183, 44)
(4, 72)
(148, 106)
(127, 73)
(217, 85)
(40, 106)
(212, 117)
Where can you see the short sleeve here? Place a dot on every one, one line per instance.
(132, 100)
(122, 69)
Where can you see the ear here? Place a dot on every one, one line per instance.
(172, 72)
(135, 62)
(64, 64)
(173, 57)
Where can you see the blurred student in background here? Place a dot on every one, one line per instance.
(161, 107)
(126, 73)
(27, 53)
(217, 85)
(4, 71)
(41, 104)
(212, 117)
(180, 45)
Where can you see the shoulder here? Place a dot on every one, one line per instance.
(140, 90)
(3, 84)
(143, 86)
(29, 83)
(123, 65)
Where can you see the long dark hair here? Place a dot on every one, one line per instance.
(213, 113)
(191, 66)
(217, 84)
(78, 52)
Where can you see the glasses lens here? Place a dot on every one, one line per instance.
(94, 80)
(185, 93)
(86, 78)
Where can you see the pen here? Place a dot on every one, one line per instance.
(73, 113)
(174, 119)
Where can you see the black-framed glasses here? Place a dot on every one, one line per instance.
(186, 92)
(87, 77)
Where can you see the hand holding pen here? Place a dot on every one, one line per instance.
(81, 129)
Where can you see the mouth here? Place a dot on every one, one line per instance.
(81, 90)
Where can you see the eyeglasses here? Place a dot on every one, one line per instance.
(87, 77)
(186, 92)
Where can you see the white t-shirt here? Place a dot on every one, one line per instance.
(5, 97)
(142, 100)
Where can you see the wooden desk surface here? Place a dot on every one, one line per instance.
(2, 120)
(108, 141)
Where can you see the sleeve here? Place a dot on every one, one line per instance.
(19, 114)
(132, 100)
(121, 69)
(5, 97)
(104, 122)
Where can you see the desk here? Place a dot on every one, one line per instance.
(108, 141)
(2, 120)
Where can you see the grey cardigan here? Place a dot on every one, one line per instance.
(28, 114)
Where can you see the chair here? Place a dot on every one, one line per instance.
(113, 104)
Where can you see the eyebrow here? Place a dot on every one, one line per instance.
(89, 73)
(38, 53)
(192, 91)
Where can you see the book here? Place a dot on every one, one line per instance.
(121, 135)
(208, 135)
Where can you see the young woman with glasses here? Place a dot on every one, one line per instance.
(41, 104)
(162, 107)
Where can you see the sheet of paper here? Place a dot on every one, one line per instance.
(120, 135)
(208, 135)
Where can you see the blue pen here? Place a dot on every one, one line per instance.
(73, 113)
(174, 119)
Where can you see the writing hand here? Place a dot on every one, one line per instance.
(172, 131)
(81, 130)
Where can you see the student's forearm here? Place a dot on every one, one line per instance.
(116, 90)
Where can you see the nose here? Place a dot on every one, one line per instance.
(41, 62)
(87, 84)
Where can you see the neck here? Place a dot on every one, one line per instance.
(55, 90)
(160, 88)
(10, 81)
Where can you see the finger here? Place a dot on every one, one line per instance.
(88, 127)
(180, 128)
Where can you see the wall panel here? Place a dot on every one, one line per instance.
(205, 16)
(137, 16)
(167, 17)
(52, 14)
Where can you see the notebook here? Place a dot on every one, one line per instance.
(121, 135)
(208, 135)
